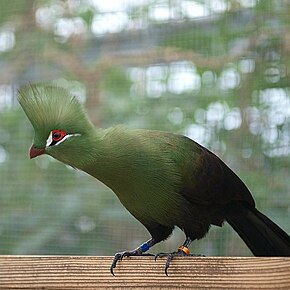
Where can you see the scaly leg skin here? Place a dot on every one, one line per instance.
(182, 251)
(137, 252)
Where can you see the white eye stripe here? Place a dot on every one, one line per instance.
(50, 140)
(66, 137)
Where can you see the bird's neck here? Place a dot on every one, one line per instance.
(99, 156)
(114, 156)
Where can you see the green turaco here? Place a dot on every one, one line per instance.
(163, 179)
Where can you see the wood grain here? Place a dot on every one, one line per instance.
(87, 272)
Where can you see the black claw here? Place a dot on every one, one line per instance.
(112, 270)
(170, 256)
(114, 263)
(168, 261)
(120, 256)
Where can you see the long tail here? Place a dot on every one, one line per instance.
(262, 236)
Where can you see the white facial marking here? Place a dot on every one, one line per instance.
(67, 137)
(50, 140)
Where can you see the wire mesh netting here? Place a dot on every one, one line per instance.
(216, 71)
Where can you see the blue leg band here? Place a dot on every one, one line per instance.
(144, 247)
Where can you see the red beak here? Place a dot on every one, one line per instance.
(35, 151)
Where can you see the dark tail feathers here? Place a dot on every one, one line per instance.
(262, 236)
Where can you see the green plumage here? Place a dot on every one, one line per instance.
(49, 108)
(163, 179)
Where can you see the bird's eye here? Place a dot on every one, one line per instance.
(57, 135)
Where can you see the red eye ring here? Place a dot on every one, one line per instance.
(57, 135)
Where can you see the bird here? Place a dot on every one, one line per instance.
(165, 180)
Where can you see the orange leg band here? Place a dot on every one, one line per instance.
(184, 249)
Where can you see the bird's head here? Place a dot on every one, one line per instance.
(59, 121)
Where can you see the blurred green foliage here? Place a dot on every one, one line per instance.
(217, 71)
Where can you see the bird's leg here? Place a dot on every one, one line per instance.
(181, 252)
(136, 252)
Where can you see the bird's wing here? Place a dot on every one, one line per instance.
(208, 180)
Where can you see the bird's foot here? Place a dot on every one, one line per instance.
(121, 255)
(181, 252)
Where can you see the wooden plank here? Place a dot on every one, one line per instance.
(87, 272)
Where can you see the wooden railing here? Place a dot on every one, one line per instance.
(87, 272)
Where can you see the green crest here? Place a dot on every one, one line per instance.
(48, 108)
